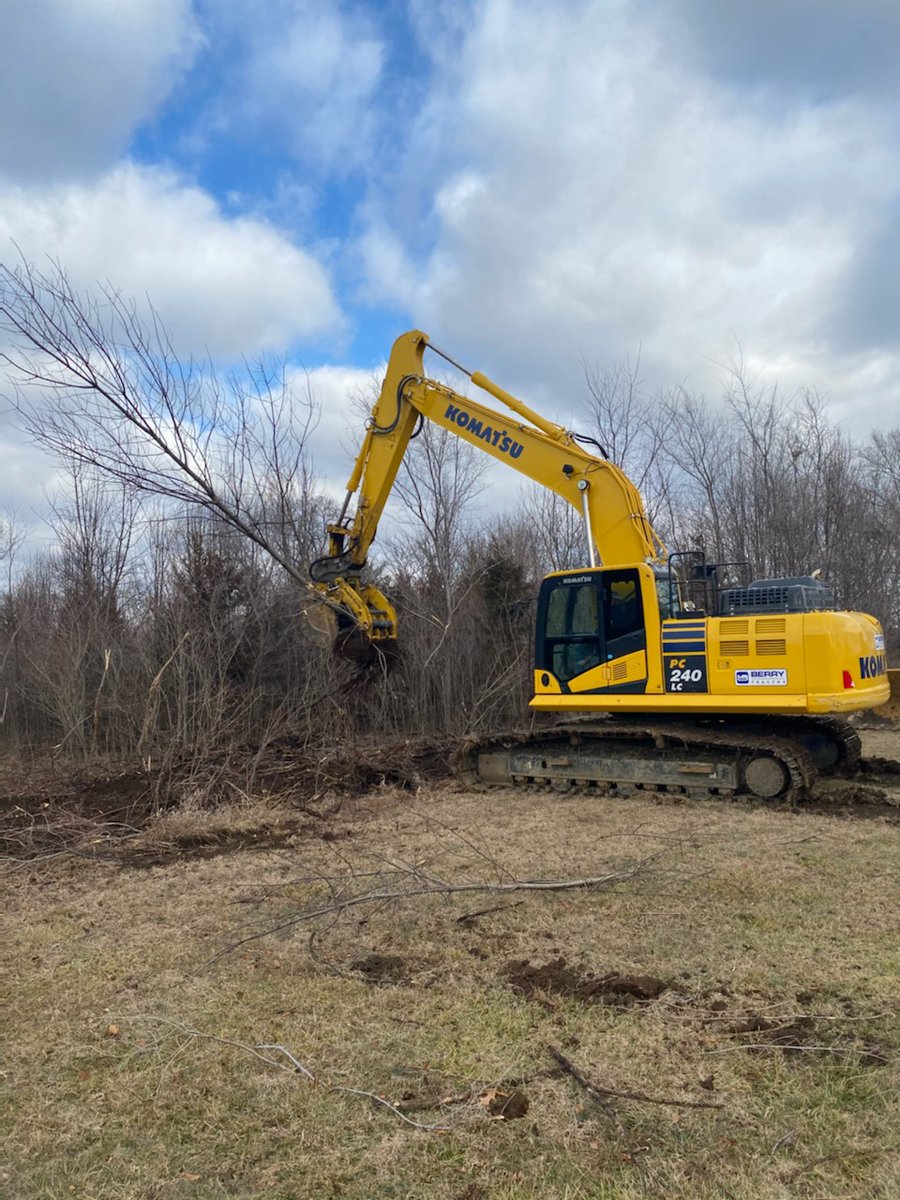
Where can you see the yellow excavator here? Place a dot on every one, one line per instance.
(665, 673)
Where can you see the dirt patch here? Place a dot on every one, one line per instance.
(802, 1034)
(45, 810)
(556, 978)
(888, 767)
(48, 808)
(288, 767)
(774, 1023)
(381, 968)
(852, 800)
(508, 1106)
(851, 795)
(214, 843)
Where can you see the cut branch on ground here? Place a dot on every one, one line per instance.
(602, 1095)
(418, 886)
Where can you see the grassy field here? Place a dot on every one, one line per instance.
(745, 960)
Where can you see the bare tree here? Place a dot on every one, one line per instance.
(96, 381)
(699, 450)
(879, 564)
(99, 385)
(428, 561)
(632, 428)
(11, 538)
(439, 481)
(557, 530)
(12, 535)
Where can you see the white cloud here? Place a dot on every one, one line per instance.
(387, 267)
(78, 76)
(824, 48)
(595, 193)
(342, 396)
(230, 286)
(27, 477)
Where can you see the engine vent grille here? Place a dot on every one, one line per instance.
(735, 646)
(619, 672)
(735, 628)
(791, 595)
(771, 646)
(770, 625)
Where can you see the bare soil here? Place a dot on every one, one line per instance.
(48, 808)
(557, 978)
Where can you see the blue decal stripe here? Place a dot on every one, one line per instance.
(684, 647)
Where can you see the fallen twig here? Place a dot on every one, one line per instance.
(297, 1067)
(786, 1139)
(836, 1157)
(391, 1108)
(442, 1101)
(596, 1094)
(602, 1095)
(437, 887)
(858, 1051)
(468, 917)
(420, 1103)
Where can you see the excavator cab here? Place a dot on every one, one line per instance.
(692, 585)
(692, 637)
(592, 626)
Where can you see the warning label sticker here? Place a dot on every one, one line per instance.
(776, 677)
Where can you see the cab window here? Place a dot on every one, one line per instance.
(623, 609)
(571, 641)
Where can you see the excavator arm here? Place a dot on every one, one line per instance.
(612, 508)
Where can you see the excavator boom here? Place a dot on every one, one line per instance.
(613, 510)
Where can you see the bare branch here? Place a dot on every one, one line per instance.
(602, 1095)
(383, 895)
(98, 384)
(298, 1067)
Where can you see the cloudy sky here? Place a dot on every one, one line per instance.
(534, 183)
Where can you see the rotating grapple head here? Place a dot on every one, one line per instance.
(359, 623)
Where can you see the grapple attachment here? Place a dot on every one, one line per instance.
(354, 646)
(359, 622)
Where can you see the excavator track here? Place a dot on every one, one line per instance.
(831, 742)
(757, 759)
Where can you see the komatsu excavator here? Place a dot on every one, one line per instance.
(661, 679)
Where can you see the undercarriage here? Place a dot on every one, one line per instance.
(760, 757)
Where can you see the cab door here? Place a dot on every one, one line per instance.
(624, 632)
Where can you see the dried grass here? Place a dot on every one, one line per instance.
(748, 913)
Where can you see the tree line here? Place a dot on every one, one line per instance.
(169, 617)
